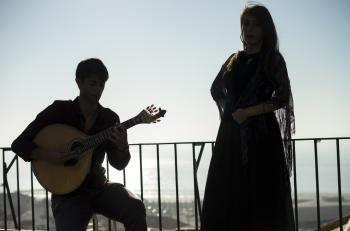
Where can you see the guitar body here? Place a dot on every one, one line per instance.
(58, 178)
(65, 178)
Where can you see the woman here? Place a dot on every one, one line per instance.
(248, 184)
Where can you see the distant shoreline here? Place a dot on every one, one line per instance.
(307, 207)
(327, 196)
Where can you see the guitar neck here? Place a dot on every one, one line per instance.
(104, 135)
(145, 116)
(131, 122)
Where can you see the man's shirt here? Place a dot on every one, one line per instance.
(69, 113)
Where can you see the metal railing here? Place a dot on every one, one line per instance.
(11, 215)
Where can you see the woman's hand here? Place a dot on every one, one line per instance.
(240, 115)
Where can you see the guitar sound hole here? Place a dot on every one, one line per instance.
(74, 147)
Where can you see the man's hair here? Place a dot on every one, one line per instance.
(90, 67)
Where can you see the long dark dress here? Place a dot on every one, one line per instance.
(248, 182)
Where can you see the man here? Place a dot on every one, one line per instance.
(73, 211)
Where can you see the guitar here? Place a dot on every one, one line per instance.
(65, 178)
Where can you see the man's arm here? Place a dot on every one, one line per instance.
(24, 146)
(119, 159)
(118, 149)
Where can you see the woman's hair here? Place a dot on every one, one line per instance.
(91, 66)
(269, 48)
(274, 69)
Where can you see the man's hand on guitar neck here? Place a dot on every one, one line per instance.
(119, 137)
(53, 156)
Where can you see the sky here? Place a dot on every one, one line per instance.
(167, 53)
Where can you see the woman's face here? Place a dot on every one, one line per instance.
(252, 31)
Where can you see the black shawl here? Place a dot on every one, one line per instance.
(269, 85)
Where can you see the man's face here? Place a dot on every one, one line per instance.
(91, 88)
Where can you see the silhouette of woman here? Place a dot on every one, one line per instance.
(248, 184)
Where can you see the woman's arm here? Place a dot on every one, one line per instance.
(241, 115)
(280, 97)
(218, 89)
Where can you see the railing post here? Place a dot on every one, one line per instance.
(47, 210)
(177, 189)
(4, 185)
(32, 197)
(317, 185)
(7, 190)
(109, 220)
(195, 184)
(159, 191)
(197, 202)
(295, 188)
(141, 171)
(339, 187)
(124, 177)
(18, 197)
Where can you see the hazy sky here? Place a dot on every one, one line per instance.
(168, 52)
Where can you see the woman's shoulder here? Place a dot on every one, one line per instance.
(233, 56)
(232, 59)
(279, 59)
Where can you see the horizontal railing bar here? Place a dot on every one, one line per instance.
(199, 142)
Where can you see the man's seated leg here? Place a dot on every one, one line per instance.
(71, 213)
(116, 202)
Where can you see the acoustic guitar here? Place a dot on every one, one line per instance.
(65, 178)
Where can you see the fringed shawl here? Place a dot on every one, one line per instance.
(280, 95)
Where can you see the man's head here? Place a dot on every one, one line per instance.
(91, 66)
(91, 75)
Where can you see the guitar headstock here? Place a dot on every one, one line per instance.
(150, 115)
